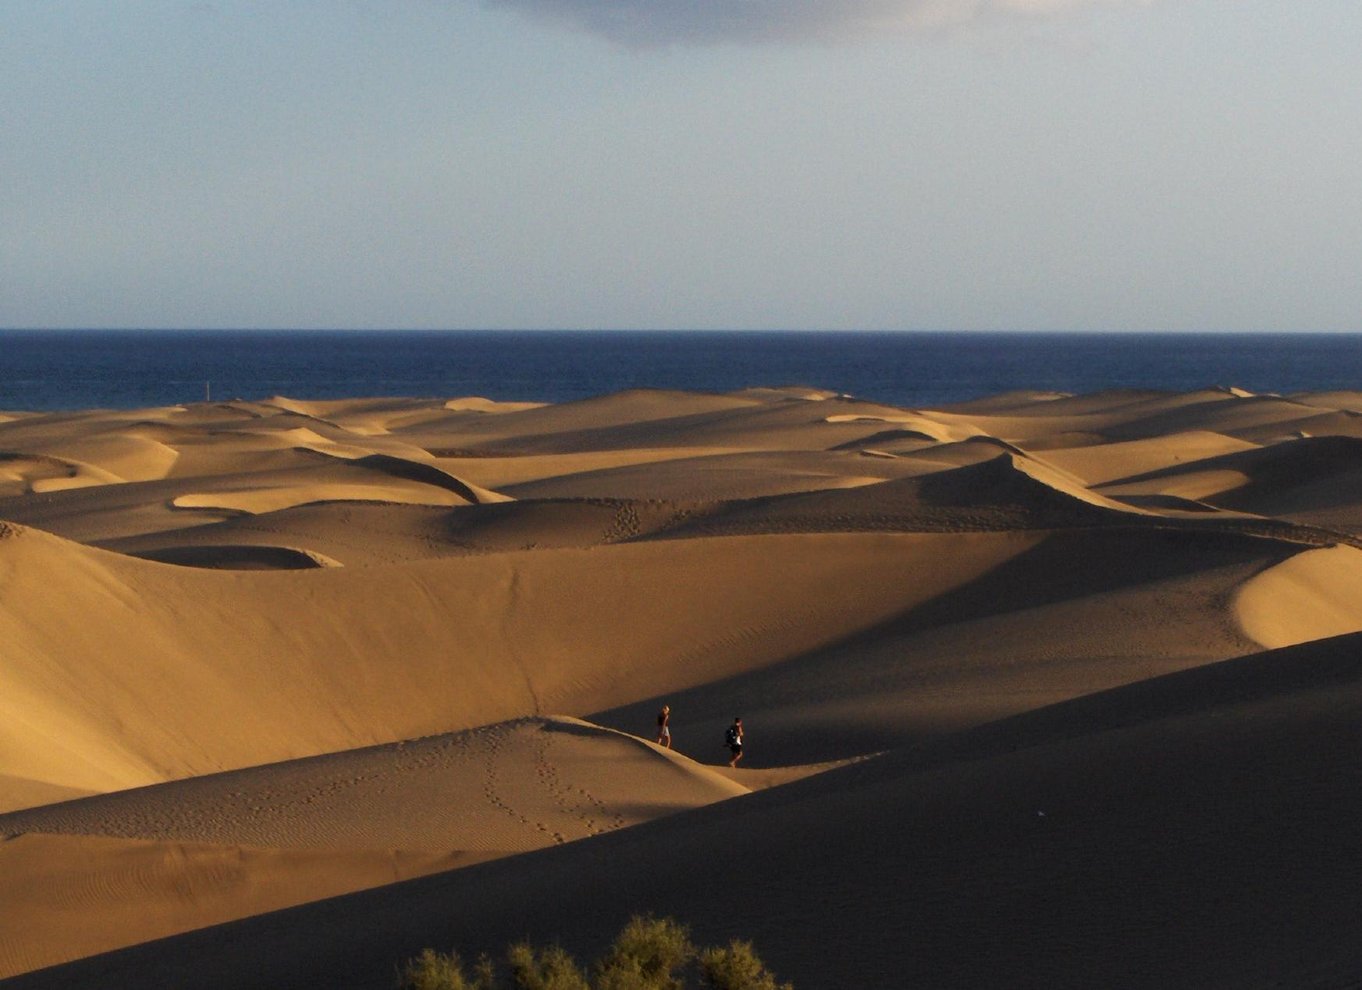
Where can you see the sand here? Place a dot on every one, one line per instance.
(1041, 690)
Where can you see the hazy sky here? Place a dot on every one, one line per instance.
(928, 164)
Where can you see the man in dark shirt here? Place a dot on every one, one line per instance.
(733, 740)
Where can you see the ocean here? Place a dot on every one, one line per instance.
(48, 370)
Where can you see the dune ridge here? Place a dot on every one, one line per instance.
(283, 687)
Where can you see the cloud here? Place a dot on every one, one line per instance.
(648, 23)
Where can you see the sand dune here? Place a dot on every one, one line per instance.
(70, 896)
(503, 788)
(40, 473)
(719, 476)
(224, 846)
(239, 557)
(274, 498)
(916, 427)
(26, 793)
(1006, 492)
(660, 419)
(1079, 673)
(431, 646)
(1034, 849)
(1313, 479)
(1068, 615)
(1108, 416)
(364, 533)
(282, 479)
(1314, 594)
(350, 533)
(508, 468)
(1100, 463)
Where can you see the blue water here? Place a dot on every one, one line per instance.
(80, 369)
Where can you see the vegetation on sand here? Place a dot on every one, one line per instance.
(648, 954)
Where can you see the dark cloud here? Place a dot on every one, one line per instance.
(703, 22)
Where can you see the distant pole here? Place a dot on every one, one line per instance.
(207, 391)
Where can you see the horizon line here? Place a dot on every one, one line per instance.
(981, 331)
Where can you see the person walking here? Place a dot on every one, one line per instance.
(733, 740)
(664, 727)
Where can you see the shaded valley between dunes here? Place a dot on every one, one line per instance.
(1040, 690)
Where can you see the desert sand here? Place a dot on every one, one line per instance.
(1040, 690)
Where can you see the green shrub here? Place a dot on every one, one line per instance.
(545, 969)
(737, 968)
(433, 970)
(484, 974)
(646, 956)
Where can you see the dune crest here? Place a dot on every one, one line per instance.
(280, 685)
(154, 861)
(255, 557)
(478, 404)
(1313, 595)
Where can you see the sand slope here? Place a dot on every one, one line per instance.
(1312, 479)
(429, 647)
(501, 788)
(71, 896)
(1034, 849)
(141, 864)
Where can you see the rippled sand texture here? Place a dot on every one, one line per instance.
(1040, 690)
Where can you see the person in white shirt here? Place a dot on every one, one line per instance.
(664, 727)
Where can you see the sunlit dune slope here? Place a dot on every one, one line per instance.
(69, 896)
(1313, 479)
(360, 534)
(1312, 595)
(287, 479)
(175, 671)
(508, 787)
(721, 475)
(1099, 463)
(1009, 492)
(1074, 613)
(125, 868)
(647, 418)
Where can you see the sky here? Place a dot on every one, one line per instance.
(660, 164)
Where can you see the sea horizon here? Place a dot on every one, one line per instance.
(74, 368)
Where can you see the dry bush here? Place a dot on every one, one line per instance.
(648, 954)
(737, 968)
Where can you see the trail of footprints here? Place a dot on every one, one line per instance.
(267, 811)
(625, 525)
(574, 801)
(491, 789)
